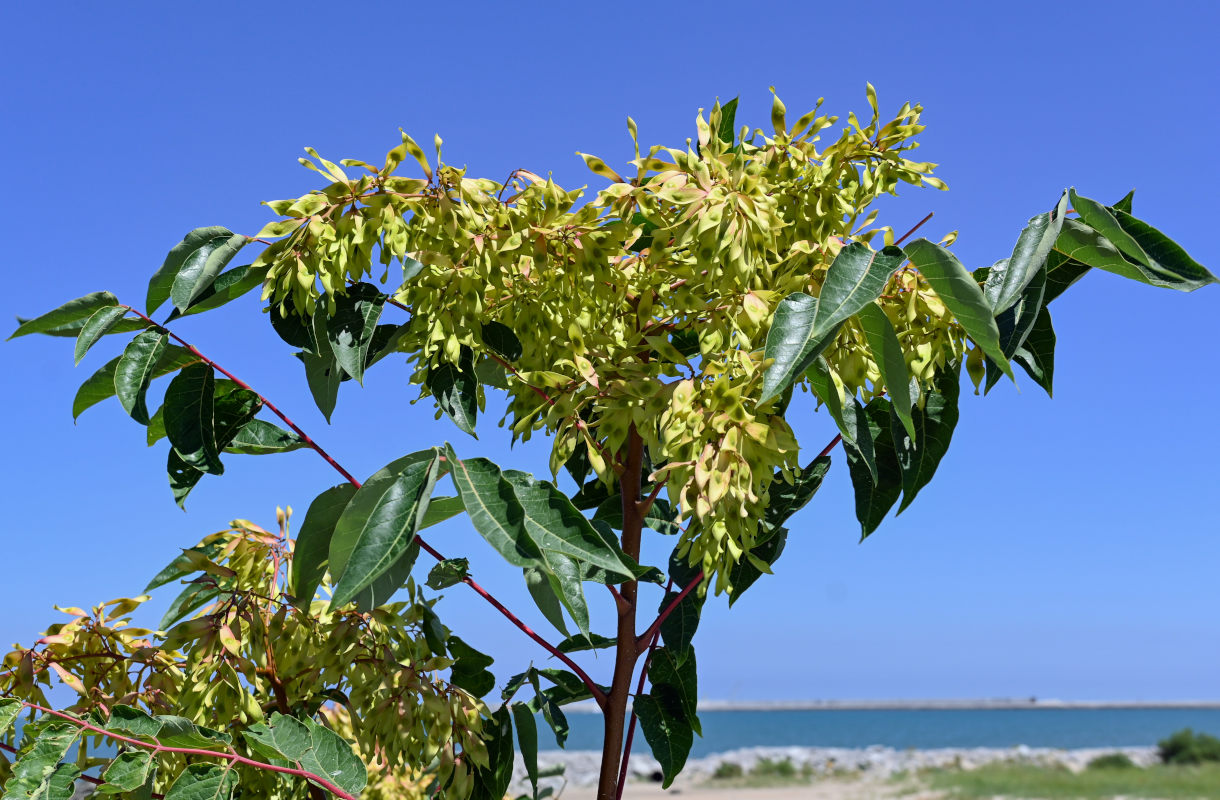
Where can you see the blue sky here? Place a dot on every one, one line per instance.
(1067, 548)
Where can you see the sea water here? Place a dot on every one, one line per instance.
(725, 730)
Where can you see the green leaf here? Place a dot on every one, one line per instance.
(955, 286)
(181, 732)
(494, 509)
(822, 384)
(527, 741)
(1037, 355)
(674, 680)
(129, 771)
(660, 516)
(227, 287)
(379, 592)
(312, 548)
(192, 265)
(279, 737)
(101, 385)
(324, 376)
(380, 521)
(678, 629)
(469, 670)
(259, 437)
(73, 311)
(190, 418)
(441, 509)
(96, 327)
(1007, 283)
(351, 326)
(491, 783)
(293, 328)
(788, 498)
(1016, 321)
(855, 423)
(330, 756)
(804, 326)
(546, 597)
(182, 477)
(875, 496)
(501, 339)
(203, 782)
(594, 641)
(134, 372)
(887, 352)
(192, 598)
(551, 712)
(455, 387)
(669, 736)
(35, 773)
(1165, 263)
(181, 566)
(728, 115)
(10, 709)
(749, 569)
(133, 722)
(556, 526)
(920, 455)
(449, 572)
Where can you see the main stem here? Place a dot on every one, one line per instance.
(626, 653)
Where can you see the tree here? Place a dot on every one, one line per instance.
(657, 334)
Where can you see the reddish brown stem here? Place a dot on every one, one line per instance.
(191, 751)
(918, 225)
(639, 689)
(655, 627)
(510, 616)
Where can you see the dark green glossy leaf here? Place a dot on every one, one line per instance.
(436, 635)
(728, 115)
(1164, 262)
(494, 509)
(387, 584)
(1016, 321)
(312, 548)
(674, 680)
(190, 418)
(875, 496)
(788, 498)
(1007, 283)
(101, 385)
(133, 722)
(156, 427)
(919, 456)
(259, 437)
(97, 326)
(749, 569)
(491, 783)
(576, 644)
(182, 477)
(527, 742)
(855, 423)
(804, 326)
(192, 265)
(441, 509)
(35, 773)
(956, 287)
(292, 327)
(72, 312)
(823, 386)
(203, 782)
(380, 521)
(129, 771)
(500, 338)
(351, 326)
(227, 287)
(194, 597)
(887, 352)
(324, 376)
(135, 369)
(455, 387)
(660, 516)
(449, 572)
(669, 736)
(551, 712)
(678, 629)
(469, 669)
(181, 566)
(1037, 355)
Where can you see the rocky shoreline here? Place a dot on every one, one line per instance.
(581, 766)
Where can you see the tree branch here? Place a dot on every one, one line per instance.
(486, 595)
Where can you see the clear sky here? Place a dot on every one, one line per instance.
(1067, 548)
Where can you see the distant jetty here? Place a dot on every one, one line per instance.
(985, 704)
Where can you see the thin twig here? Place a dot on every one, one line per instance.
(510, 616)
(918, 225)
